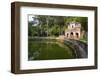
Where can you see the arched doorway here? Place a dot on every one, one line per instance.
(71, 35)
(67, 35)
(77, 35)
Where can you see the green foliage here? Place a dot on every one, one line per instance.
(54, 25)
(55, 30)
(82, 20)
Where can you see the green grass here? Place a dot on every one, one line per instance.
(84, 40)
(47, 50)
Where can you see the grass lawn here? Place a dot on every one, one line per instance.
(47, 50)
(84, 40)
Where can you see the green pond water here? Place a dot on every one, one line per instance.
(48, 50)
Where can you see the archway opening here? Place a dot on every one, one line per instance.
(67, 34)
(71, 33)
(77, 35)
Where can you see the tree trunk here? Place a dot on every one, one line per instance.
(47, 26)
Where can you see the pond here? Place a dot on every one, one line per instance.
(48, 50)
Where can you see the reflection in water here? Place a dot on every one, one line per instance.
(49, 49)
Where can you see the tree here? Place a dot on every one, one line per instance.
(54, 25)
(82, 20)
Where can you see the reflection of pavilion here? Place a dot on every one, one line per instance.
(73, 31)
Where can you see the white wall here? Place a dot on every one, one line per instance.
(5, 42)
